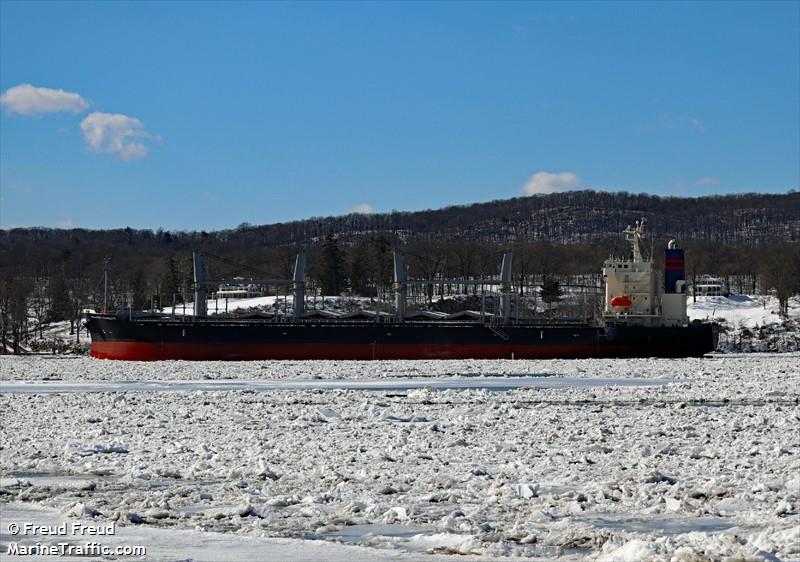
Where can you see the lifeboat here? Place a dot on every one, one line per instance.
(623, 301)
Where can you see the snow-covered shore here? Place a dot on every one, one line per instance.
(707, 464)
(750, 323)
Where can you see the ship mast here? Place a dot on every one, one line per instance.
(201, 283)
(401, 283)
(634, 235)
(106, 268)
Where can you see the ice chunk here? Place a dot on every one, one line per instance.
(447, 543)
(635, 550)
(156, 513)
(655, 477)
(395, 514)
(133, 517)
(80, 509)
(328, 413)
(526, 491)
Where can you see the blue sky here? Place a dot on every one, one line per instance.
(206, 115)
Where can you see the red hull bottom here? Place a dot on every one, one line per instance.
(138, 351)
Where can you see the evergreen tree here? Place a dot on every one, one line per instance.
(551, 291)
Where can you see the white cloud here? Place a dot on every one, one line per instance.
(706, 181)
(672, 121)
(546, 182)
(26, 99)
(113, 133)
(362, 209)
(116, 134)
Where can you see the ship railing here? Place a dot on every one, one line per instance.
(494, 326)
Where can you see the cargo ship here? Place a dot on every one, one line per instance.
(644, 315)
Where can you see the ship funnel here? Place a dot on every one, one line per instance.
(674, 272)
(300, 285)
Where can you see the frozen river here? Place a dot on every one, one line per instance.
(641, 459)
(499, 384)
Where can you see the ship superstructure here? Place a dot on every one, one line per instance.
(634, 294)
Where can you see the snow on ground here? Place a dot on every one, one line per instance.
(56, 335)
(702, 466)
(750, 323)
(219, 306)
(741, 310)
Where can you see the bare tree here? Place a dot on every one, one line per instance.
(781, 271)
(40, 304)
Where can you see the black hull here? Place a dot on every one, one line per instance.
(212, 339)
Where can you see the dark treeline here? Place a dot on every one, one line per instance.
(750, 241)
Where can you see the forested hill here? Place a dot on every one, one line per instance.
(747, 219)
(570, 217)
